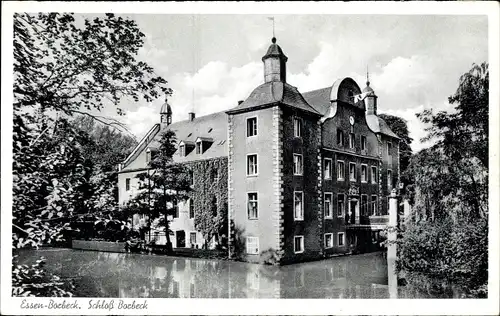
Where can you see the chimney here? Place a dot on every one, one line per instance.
(191, 116)
(240, 101)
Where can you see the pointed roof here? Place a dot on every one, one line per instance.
(271, 93)
(274, 50)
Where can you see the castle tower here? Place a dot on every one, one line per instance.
(274, 63)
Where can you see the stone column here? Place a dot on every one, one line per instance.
(392, 247)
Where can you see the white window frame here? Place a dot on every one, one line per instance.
(389, 179)
(327, 176)
(297, 127)
(299, 166)
(148, 155)
(363, 142)
(199, 147)
(374, 176)
(247, 243)
(352, 140)
(343, 205)
(182, 150)
(365, 206)
(341, 143)
(331, 205)
(339, 169)
(127, 184)
(248, 205)
(343, 239)
(191, 205)
(295, 218)
(195, 238)
(331, 240)
(301, 244)
(374, 204)
(355, 177)
(256, 125)
(256, 165)
(366, 173)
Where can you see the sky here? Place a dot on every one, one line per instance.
(212, 61)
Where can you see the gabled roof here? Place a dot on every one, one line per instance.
(320, 100)
(274, 92)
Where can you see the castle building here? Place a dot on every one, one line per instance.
(299, 176)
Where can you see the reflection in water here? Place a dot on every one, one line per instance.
(101, 274)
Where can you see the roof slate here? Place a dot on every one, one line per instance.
(274, 92)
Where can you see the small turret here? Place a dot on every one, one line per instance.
(370, 99)
(274, 63)
(166, 113)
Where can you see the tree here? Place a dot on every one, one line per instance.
(400, 127)
(464, 133)
(446, 240)
(64, 67)
(162, 186)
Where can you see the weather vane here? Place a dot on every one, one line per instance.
(271, 18)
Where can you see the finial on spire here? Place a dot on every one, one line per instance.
(367, 76)
(273, 40)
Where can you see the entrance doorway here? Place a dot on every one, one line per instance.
(180, 238)
(354, 211)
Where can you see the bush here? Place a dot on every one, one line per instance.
(35, 281)
(446, 254)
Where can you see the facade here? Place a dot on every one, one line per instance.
(307, 175)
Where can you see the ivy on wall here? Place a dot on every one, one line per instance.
(210, 196)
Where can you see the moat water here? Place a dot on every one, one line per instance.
(104, 274)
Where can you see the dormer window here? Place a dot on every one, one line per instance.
(185, 147)
(150, 155)
(182, 150)
(203, 144)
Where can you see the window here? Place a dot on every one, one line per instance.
(297, 164)
(298, 244)
(389, 148)
(364, 173)
(175, 289)
(389, 179)
(340, 205)
(374, 174)
(251, 126)
(329, 240)
(191, 208)
(176, 208)
(252, 165)
(340, 137)
(191, 178)
(363, 142)
(192, 238)
(364, 204)
(328, 168)
(198, 147)
(328, 205)
(352, 140)
(182, 150)
(127, 184)
(253, 212)
(253, 245)
(192, 292)
(297, 127)
(374, 205)
(298, 209)
(352, 171)
(341, 239)
(340, 170)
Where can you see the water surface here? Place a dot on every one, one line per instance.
(105, 274)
